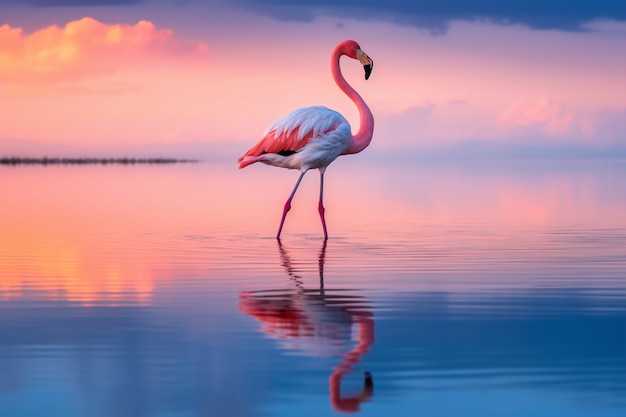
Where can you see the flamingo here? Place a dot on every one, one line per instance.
(313, 137)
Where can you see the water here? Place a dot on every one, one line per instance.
(444, 290)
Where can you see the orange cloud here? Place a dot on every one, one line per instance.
(86, 47)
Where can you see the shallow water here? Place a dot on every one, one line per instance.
(444, 290)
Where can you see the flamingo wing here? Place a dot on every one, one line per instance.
(291, 133)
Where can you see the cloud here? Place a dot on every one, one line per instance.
(86, 47)
(537, 14)
(543, 114)
(544, 117)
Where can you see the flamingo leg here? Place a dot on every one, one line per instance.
(320, 207)
(288, 205)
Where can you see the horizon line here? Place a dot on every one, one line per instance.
(12, 160)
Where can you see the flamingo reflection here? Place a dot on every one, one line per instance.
(317, 322)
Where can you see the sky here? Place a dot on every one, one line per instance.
(189, 78)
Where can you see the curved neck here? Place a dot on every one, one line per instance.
(363, 137)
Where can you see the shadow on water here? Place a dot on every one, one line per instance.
(317, 322)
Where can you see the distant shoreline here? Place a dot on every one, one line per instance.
(91, 161)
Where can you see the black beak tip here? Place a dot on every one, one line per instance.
(368, 70)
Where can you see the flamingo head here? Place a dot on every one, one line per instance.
(354, 51)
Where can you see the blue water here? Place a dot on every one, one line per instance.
(115, 302)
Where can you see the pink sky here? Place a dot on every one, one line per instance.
(107, 80)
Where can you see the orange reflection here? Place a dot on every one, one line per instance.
(94, 235)
(111, 234)
(316, 323)
(65, 270)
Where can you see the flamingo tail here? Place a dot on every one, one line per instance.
(246, 160)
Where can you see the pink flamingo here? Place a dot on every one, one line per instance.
(313, 137)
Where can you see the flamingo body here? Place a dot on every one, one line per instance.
(313, 137)
(307, 138)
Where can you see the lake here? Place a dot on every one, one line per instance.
(473, 288)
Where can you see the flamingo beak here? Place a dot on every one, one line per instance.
(366, 61)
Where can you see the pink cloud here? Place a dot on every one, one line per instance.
(86, 47)
(548, 118)
(542, 113)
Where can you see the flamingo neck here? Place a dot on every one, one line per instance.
(363, 137)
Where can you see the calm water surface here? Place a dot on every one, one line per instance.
(461, 289)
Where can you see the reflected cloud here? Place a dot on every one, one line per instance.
(64, 269)
(318, 323)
